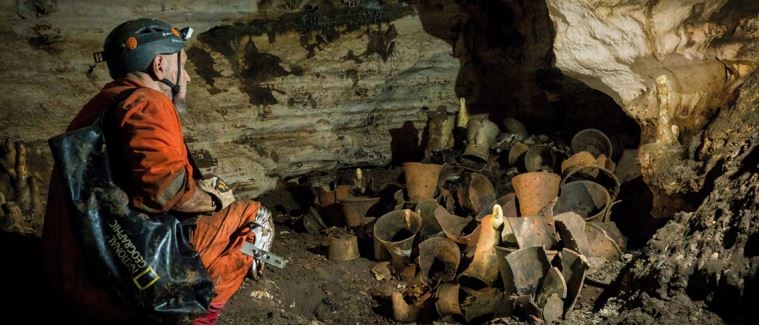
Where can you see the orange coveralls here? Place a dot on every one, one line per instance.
(159, 176)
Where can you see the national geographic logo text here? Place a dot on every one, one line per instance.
(142, 275)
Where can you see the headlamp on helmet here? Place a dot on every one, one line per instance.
(132, 45)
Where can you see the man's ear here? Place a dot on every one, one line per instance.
(158, 67)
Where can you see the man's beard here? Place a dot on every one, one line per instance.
(181, 105)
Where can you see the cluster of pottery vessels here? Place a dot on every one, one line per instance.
(524, 252)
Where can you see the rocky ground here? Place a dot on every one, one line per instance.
(315, 290)
(312, 289)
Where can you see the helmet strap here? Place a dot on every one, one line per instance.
(175, 88)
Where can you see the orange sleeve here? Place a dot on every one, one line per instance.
(160, 172)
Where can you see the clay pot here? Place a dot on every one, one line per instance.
(577, 160)
(448, 299)
(539, 157)
(438, 261)
(421, 180)
(343, 247)
(483, 270)
(481, 134)
(593, 141)
(534, 190)
(430, 226)
(355, 208)
(597, 174)
(440, 131)
(396, 231)
(586, 198)
(342, 192)
(325, 196)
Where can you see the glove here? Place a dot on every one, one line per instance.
(219, 191)
(263, 236)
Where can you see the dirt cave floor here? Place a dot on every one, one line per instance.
(312, 289)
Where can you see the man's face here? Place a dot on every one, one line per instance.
(180, 101)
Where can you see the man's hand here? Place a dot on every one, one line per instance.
(219, 190)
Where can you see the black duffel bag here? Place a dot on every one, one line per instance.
(147, 259)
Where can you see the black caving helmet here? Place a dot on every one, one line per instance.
(132, 45)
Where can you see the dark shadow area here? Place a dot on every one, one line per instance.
(404, 144)
(611, 290)
(28, 299)
(365, 237)
(632, 213)
(319, 250)
(741, 312)
(384, 305)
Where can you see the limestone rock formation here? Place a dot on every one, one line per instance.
(280, 88)
(670, 65)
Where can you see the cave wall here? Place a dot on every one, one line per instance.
(716, 257)
(280, 88)
(671, 66)
(685, 71)
(285, 88)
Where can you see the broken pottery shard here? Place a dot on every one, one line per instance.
(488, 302)
(400, 200)
(430, 226)
(525, 306)
(483, 270)
(573, 267)
(507, 277)
(508, 239)
(455, 227)
(402, 311)
(509, 207)
(516, 152)
(438, 260)
(481, 193)
(614, 233)
(534, 231)
(448, 299)
(313, 222)
(553, 308)
(571, 228)
(529, 266)
(577, 160)
(553, 284)
(600, 244)
(381, 271)
(409, 302)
